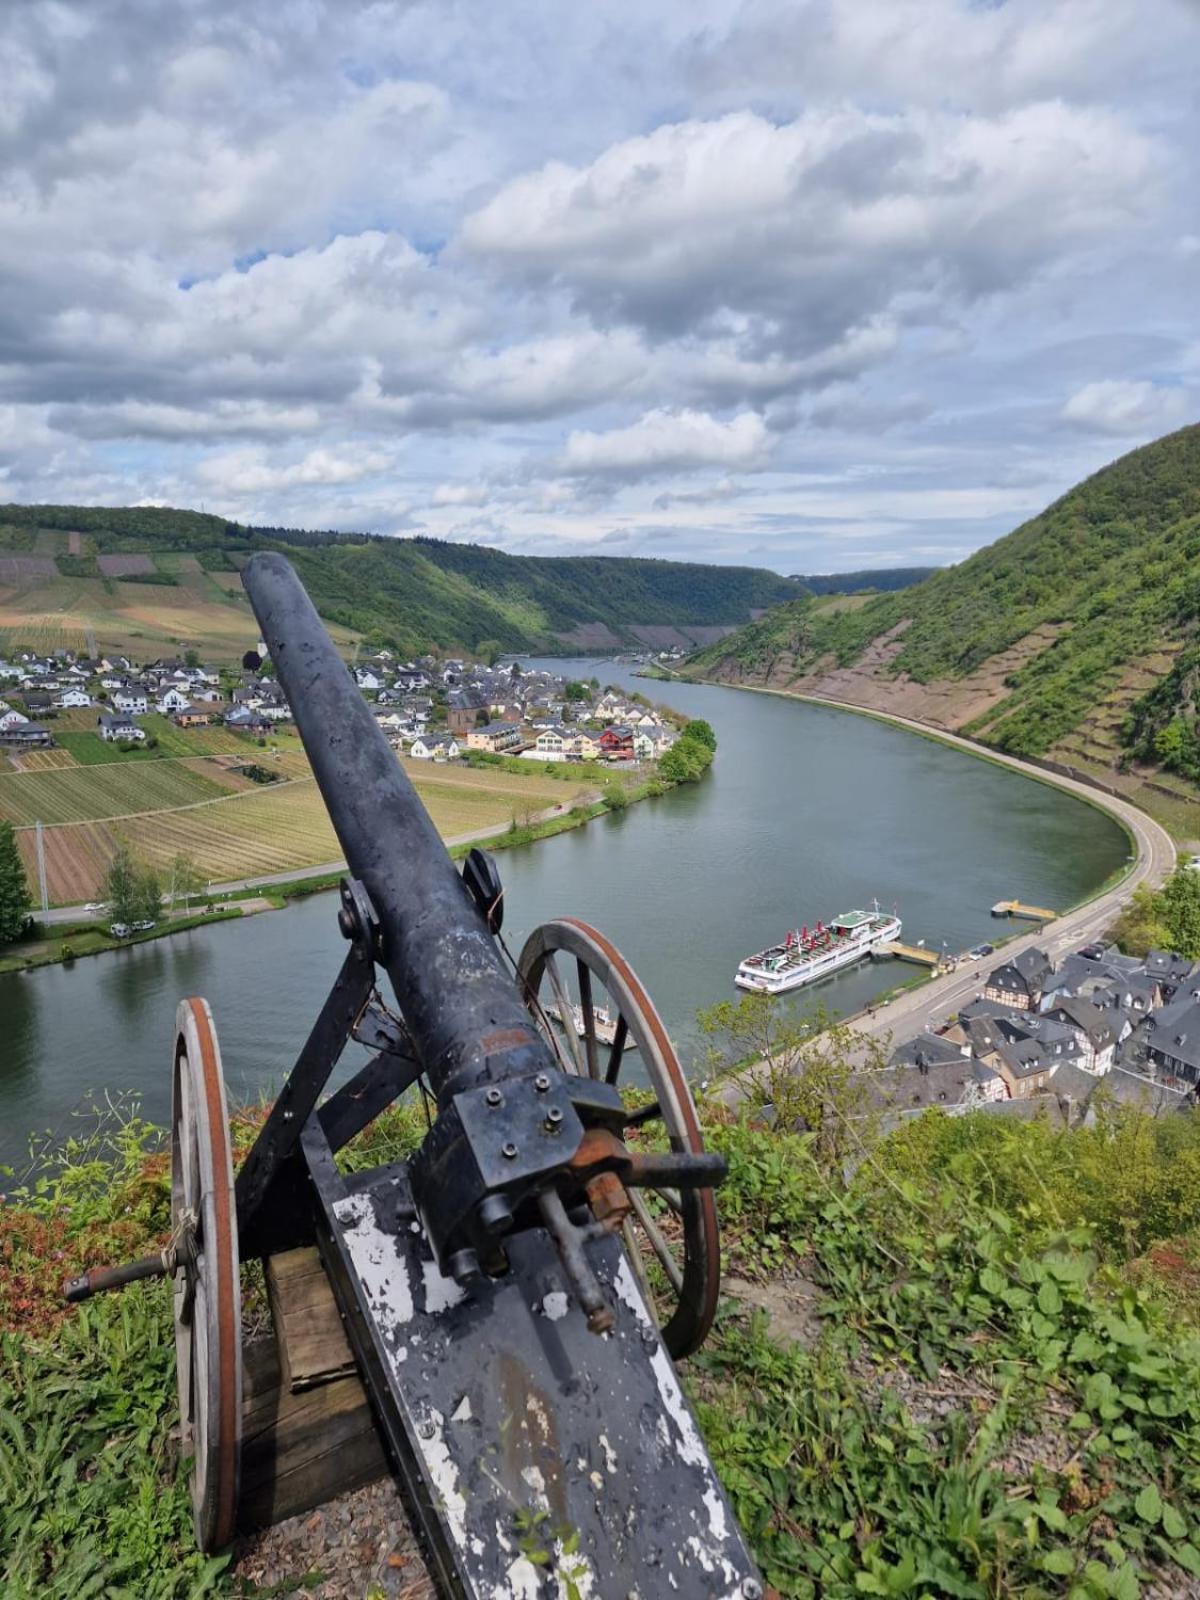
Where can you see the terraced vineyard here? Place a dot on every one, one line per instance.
(231, 828)
(78, 794)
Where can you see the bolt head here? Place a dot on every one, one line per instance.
(751, 1589)
(427, 1431)
(509, 1151)
(494, 1097)
(650, 1339)
(554, 1116)
(542, 1082)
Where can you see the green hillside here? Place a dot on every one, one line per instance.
(1077, 635)
(158, 574)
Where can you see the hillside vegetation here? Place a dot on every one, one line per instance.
(158, 574)
(411, 594)
(1076, 636)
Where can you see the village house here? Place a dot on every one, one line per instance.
(26, 735)
(38, 705)
(1021, 981)
(172, 700)
(616, 744)
(74, 699)
(440, 747)
(244, 719)
(132, 701)
(496, 737)
(582, 745)
(1093, 1031)
(550, 744)
(1170, 1041)
(10, 718)
(119, 729)
(190, 717)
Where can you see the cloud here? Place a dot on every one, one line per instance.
(803, 231)
(642, 272)
(243, 472)
(1121, 407)
(669, 441)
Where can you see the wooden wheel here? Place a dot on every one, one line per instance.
(671, 1237)
(207, 1287)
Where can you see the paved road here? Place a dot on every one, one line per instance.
(936, 1002)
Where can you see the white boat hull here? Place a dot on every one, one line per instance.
(795, 971)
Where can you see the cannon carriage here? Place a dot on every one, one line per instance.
(514, 1294)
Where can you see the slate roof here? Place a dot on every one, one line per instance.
(1089, 1018)
(1134, 1088)
(929, 1050)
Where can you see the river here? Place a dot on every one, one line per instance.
(807, 812)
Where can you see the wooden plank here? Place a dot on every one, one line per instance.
(301, 1449)
(308, 1325)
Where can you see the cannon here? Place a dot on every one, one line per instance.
(516, 1292)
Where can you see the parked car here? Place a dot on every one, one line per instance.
(1092, 952)
(981, 950)
(95, 905)
(144, 927)
(120, 930)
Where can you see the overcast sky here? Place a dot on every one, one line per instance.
(815, 284)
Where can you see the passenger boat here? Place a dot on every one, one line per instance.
(606, 1027)
(808, 954)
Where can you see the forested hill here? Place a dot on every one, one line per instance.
(1075, 637)
(410, 594)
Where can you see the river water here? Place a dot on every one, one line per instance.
(806, 813)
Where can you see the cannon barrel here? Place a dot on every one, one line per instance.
(462, 1008)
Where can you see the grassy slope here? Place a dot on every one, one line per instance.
(1001, 1398)
(1113, 566)
(411, 593)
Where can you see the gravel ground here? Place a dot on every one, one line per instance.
(356, 1546)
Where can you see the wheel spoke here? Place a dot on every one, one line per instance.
(673, 1198)
(588, 1014)
(634, 1252)
(661, 1248)
(639, 1118)
(566, 1015)
(617, 1054)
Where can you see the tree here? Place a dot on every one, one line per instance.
(149, 895)
(1181, 911)
(701, 732)
(15, 899)
(191, 658)
(489, 651)
(576, 691)
(121, 886)
(186, 877)
(1140, 927)
(134, 889)
(811, 1071)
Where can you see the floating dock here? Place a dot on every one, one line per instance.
(1014, 908)
(911, 952)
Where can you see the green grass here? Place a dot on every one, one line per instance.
(1001, 1399)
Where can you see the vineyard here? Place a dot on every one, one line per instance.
(231, 828)
(81, 794)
